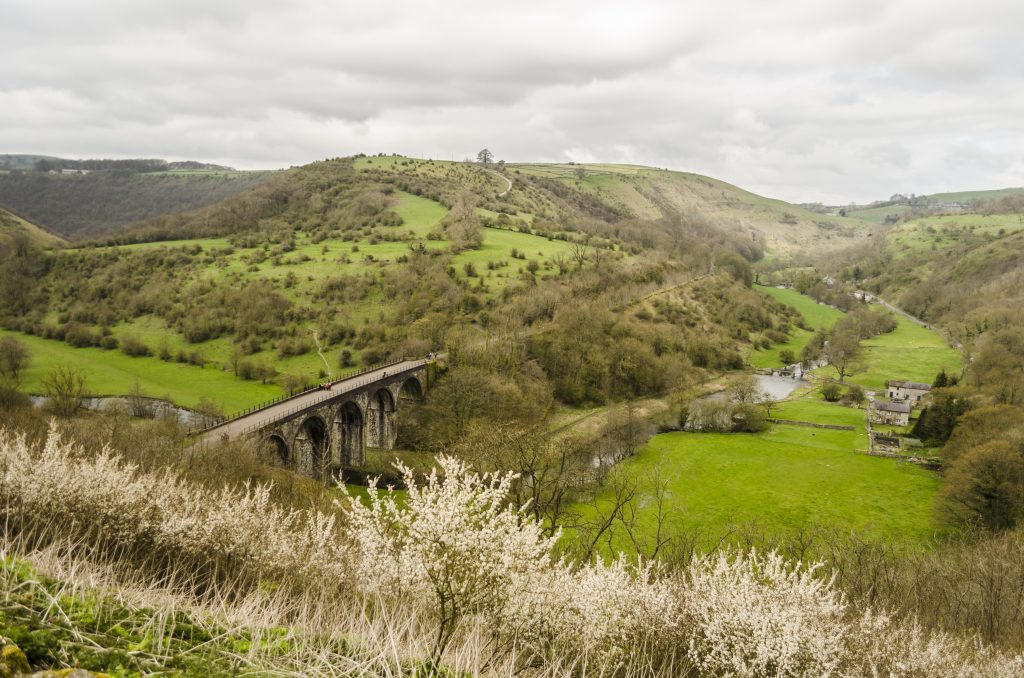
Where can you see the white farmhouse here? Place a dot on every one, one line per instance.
(907, 391)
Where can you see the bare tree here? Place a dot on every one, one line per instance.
(138, 404)
(209, 412)
(485, 157)
(746, 390)
(561, 262)
(840, 352)
(578, 252)
(547, 467)
(14, 357)
(606, 509)
(655, 497)
(65, 389)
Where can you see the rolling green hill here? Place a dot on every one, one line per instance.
(649, 193)
(380, 256)
(937, 203)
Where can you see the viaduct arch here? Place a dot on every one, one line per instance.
(323, 430)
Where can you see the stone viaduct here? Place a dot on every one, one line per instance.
(322, 430)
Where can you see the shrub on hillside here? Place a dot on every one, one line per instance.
(79, 335)
(854, 395)
(831, 392)
(371, 356)
(133, 346)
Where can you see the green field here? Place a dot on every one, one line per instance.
(877, 215)
(818, 316)
(787, 478)
(909, 352)
(947, 231)
(114, 373)
(310, 262)
(810, 406)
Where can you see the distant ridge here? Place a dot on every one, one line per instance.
(48, 163)
(81, 198)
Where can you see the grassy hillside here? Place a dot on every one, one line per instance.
(14, 229)
(962, 272)
(87, 205)
(114, 373)
(946, 232)
(636, 192)
(816, 316)
(937, 203)
(387, 256)
(909, 352)
(648, 193)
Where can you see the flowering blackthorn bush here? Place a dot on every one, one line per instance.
(452, 571)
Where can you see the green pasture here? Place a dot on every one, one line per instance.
(810, 406)
(421, 215)
(114, 373)
(909, 352)
(946, 231)
(498, 246)
(784, 479)
(876, 215)
(817, 316)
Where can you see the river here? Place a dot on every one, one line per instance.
(158, 408)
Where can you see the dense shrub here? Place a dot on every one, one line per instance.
(133, 346)
(831, 392)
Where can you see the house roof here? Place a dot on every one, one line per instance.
(916, 385)
(887, 406)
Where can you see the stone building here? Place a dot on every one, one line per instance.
(892, 413)
(907, 391)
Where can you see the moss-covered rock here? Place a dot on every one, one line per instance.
(13, 661)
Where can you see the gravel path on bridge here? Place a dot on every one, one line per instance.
(231, 430)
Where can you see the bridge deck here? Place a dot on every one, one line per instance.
(282, 410)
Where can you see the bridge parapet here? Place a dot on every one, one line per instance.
(329, 427)
(291, 396)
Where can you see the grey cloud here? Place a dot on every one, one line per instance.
(796, 99)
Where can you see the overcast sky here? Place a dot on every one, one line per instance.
(801, 100)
